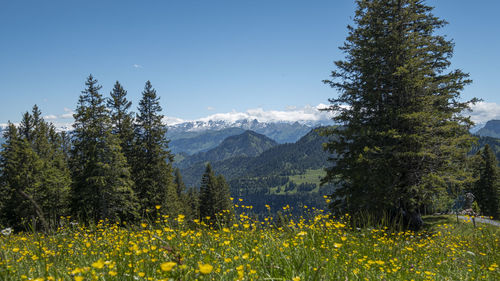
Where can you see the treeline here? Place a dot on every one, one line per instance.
(114, 165)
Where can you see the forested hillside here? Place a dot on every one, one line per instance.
(286, 174)
(494, 144)
(193, 142)
(247, 144)
(282, 160)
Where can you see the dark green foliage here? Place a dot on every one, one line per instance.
(192, 197)
(487, 187)
(102, 186)
(152, 168)
(215, 203)
(403, 137)
(188, 199)
(494, 144)
(35, 181)
(122, 119)
(180, 187)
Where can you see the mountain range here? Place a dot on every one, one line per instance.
(490, 129)
(246, 144)
(198, 136)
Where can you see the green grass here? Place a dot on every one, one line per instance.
(320, 248)
(310, 176)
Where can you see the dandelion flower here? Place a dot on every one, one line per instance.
(98, 264)
(167, 266)
(205, 268)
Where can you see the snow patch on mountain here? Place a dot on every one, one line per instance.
(253, 119)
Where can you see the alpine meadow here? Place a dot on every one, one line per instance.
(395, 177)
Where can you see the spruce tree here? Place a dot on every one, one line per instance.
(152, 166)
(193, 203)
(102, 186)
(487, 187)
(54, 184)
(180, 187)
(207, 194)
(122, 119)
(184, 196)
(215, 204)
(35, 179)
(401, 136)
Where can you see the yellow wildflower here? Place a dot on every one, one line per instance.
(205, 268)
(98, 264)
(167, 266)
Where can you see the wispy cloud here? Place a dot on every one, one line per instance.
(290, 114)
(484, 111)
(480, 114)
(67, 115)
(170, 121)
(137, 66)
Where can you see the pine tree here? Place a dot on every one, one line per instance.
(207, 194)
(180, 187)
(401, 135)
(35, 176)
(193, 203)
(487, 187)
(54, 178)
(102, 186)
(184, 197)
(215, 204)
(223, 204)
(14, 160)
(122, 119)
(152, 168)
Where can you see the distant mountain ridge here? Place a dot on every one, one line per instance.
(490, 129)
(193, 142)
(247, 144)
(281, 159)
(280, 131)
(199, 136)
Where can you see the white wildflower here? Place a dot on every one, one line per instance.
(7, 231)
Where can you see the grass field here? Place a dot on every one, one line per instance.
(320, 248)
(310, 176)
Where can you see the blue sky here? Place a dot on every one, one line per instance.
(207, 57)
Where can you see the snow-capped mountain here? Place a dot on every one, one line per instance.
(201, 135)
(280, 131)
(246, 124)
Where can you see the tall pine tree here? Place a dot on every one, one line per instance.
(35, 178)
(152, 164)
(487, 187)
(122, 119)
(401, 135)
(215, 204)
(102, 186)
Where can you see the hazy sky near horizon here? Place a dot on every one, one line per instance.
(207, 57)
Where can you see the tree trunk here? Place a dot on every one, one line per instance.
(413, 220)
(38, 210)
